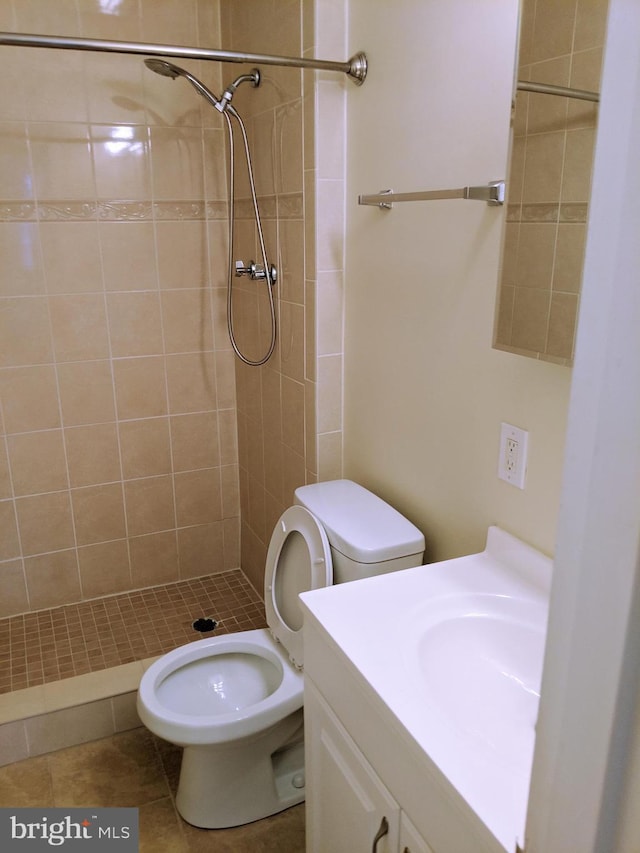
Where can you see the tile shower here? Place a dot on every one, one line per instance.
(132, 445)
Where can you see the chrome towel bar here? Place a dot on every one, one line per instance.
(492, 193)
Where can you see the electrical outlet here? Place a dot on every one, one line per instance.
(512, 461)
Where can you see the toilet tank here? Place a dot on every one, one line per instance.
(367, 536)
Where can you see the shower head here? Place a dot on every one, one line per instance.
(168, 69)
(162, 67)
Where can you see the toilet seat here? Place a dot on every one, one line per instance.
(298, 560)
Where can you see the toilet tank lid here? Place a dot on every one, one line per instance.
(358, 523)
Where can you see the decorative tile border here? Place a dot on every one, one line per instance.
(286, 206)
(110, 210)
(548, 212)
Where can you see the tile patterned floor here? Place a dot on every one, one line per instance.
(135, 769)
(38, 648)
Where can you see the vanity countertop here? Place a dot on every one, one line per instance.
(451, 655)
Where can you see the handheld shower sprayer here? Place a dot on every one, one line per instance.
(168, 69)
(256, 272)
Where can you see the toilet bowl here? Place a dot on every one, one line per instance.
(234, 702)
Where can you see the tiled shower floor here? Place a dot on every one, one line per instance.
(50, 645)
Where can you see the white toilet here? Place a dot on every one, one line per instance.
(234, 702)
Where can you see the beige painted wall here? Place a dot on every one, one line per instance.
(424, 391)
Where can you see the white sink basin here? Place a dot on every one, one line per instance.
(454, 650)
(480, 659)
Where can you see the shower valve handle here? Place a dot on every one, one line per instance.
(255, 271)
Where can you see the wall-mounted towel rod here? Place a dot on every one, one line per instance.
(355, 68)
(561, 91)
(493, 194)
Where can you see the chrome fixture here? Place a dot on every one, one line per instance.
(267, 272)
(168, 69)
(355, 68)
(225, 100)
(492, 193)
(561, 91)
(256, 272)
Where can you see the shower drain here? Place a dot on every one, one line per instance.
(204, 624)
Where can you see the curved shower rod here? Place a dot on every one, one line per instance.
(355, 68)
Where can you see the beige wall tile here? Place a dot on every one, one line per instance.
(530, 316)
(15, 169)
(128, 255)
(554, 25)
(543, 168)
(562, 324)
(292, 340)
(198, 497)
(121, 162)
(71, 256)
(154, 559)
(201, 550)
(93, 454)
(183, 253)
(5, 477)
(536, 247)
(98, 513)
(22, 267)
(45, 523)
(194, 441)
(9, 542)
(135, 323)
(329, 401)
(25, 336)
(569, 257)
(140, 385)
(228, 436)
(104, 568)
(149, 505)
(187, 320)
(38, 462)
(86, 392)
(62, 165)
(52, 579)
(191, 382)
(79, 327)
(145, 447)
(29, 398)
(578, 160)
(14, 598)
(176, 156)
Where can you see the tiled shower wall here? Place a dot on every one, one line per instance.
(290, 410)
(118, 453)
(550, 179)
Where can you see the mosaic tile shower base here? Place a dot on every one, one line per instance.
(50, 645)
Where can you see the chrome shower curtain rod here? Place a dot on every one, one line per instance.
(561, 91)
(355, 68)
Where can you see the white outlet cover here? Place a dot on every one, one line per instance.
(513, 469)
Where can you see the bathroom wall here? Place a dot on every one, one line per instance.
(118, 456)
(425, 393)
(289, 410)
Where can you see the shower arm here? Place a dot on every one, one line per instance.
(355, 68)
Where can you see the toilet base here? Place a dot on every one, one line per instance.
(222, 786)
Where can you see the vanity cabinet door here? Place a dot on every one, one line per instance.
(410, 839)
(348, 807)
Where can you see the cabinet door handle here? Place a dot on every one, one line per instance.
(382, 831)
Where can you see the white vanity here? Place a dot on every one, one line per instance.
(421, 697)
